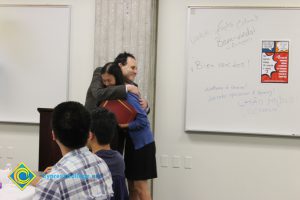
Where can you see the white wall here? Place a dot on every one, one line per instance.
(227, 167)
(224, 167)
(20, 141)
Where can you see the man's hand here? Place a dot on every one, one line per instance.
(35, 181)
(132, 89)
(144, 103)
(48, 170)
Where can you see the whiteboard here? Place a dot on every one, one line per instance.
(34, 60)
(224, 68)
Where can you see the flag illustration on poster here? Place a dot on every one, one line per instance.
(274, 62)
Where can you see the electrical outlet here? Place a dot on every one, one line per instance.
(10, 154)
(176, 161)
(188, 162)
(164, 160)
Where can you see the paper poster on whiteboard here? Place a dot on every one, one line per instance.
(274, 62)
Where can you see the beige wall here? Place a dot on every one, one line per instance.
(224, 167)
(19, 142)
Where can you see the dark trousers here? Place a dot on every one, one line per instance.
(119, 139)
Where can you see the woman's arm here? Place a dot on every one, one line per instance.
(141, 119)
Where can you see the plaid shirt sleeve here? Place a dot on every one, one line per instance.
(72, 178)
(47, 190)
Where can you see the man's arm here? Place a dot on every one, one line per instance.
(47, 189)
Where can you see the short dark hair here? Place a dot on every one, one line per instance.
(122, 58)
(71, 124)
(104, 125)
(113, 69)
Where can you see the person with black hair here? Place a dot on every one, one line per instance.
(140, 161)
(79, 174)
(98, 92)
(127, 63)
(103, 128)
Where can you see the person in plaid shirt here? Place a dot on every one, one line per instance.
(79, 174)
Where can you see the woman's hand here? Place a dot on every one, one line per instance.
(123, 125)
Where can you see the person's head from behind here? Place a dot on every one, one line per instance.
(71, 125)
(103, 127)
(111, 75)
(127, 63)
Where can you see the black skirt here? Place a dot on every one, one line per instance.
(140, 164)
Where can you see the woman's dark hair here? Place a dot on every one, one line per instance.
(113, 69)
